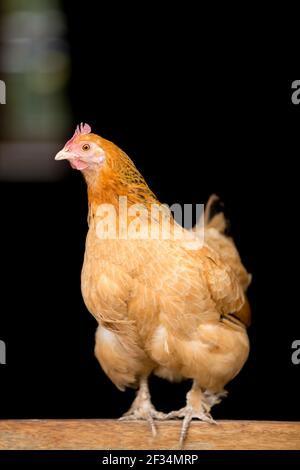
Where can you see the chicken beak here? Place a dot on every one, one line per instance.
(64, 155)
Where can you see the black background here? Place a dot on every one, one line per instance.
(195, 121)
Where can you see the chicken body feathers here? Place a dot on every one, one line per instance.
(160, 309)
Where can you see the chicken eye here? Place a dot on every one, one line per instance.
(86, 147)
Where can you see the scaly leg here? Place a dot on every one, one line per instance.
(197, 407)
(142, 407)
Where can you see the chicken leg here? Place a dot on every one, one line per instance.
(142, 408)
(197, 406)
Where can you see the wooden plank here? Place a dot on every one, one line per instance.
(114, 434)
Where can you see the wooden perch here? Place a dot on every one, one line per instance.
(99, 434)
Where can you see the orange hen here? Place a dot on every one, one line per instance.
(162, 307)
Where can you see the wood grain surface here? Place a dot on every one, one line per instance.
(114, 434)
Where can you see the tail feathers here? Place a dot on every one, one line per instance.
(217, 237)
(214, 216)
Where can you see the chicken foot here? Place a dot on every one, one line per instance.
(142, 408)
(197, 406)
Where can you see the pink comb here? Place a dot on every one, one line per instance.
(81, 129)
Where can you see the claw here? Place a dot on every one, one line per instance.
(147, 418)
(142, 409)
(188, 414)
(142, 414)
(152, 425)
(185, 426)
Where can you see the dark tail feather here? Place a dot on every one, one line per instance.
(214, 214)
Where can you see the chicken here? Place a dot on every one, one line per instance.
(161, 306)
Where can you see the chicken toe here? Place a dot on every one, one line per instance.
(197, 407)
(143, 409)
